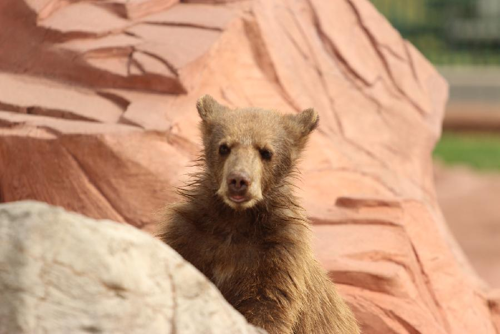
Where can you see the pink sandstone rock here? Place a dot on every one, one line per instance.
(83, 19)
(133, 9)
(112, 130)
(494, 304)
(469, 199)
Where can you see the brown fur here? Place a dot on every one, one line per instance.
(257, 253)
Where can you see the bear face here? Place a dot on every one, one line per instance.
(248, 152)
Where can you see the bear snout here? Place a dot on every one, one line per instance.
(238, 183)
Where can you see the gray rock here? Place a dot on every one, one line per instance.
(61, 272)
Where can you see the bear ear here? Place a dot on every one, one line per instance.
(307, 121)
(207, 106)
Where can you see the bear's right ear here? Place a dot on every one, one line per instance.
(207, 106)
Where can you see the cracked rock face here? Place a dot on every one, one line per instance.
(61, 272)
(97, 116)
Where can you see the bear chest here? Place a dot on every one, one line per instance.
(233, 261)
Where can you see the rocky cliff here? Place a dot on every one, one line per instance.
(97, 115)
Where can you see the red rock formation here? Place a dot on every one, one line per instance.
(97, 115)
(469, 201)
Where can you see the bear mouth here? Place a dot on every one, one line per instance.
(238, 198)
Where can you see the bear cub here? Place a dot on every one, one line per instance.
(241, 225)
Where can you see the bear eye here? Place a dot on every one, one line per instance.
(266, 154)
(224, 149)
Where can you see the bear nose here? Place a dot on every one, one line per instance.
(238, 182)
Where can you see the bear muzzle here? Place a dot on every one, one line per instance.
(238, 184)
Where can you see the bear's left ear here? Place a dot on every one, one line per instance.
(303, 124)
(299, 127)
(207, 107)
(307, 121)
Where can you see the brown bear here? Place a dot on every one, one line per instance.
(241, 225)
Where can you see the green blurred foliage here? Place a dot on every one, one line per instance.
(433, 26)
(481, 151)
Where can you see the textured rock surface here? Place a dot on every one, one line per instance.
(367, 175)
(64, 273)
